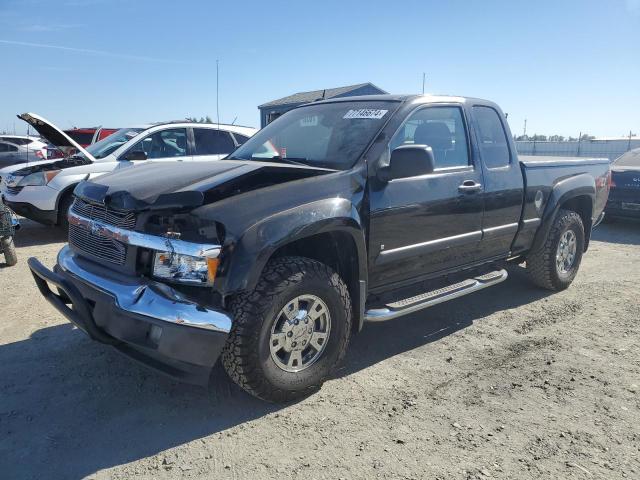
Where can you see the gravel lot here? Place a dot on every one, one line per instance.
(510, 382)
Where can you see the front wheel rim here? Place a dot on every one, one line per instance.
(566, 252)
(300, 333)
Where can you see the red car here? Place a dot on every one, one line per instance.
(84, 137)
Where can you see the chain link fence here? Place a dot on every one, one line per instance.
(610, 149)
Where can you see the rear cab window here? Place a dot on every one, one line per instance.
(492, 138)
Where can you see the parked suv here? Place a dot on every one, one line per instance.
(43, 192)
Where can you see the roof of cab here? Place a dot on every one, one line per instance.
(426, 98)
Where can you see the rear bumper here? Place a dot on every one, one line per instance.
(48, 217)
(148, 321)
(615, 208)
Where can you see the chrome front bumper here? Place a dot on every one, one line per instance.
(146, 297)
(146, 320)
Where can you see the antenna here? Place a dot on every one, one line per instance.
(424, 77)
(323, 92)
(234, 120)
(217, 94)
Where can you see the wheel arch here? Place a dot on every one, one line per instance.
(578, 194)
(329, 231)
(65, 192)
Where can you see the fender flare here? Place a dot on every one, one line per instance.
(577, 186)
(250, 253)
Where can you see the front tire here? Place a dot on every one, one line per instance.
(289, 333)
(63, 210)
(556, 263)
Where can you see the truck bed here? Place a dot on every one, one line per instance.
(545, 176)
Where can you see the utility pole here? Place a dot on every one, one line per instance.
(424, 77)
(217, 94)
(524, 133)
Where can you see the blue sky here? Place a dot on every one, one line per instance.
(566, 66)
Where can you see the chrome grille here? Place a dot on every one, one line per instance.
(92, 242)
(103, 214)
(96, 245)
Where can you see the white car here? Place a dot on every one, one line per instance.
(43, 192)
(34, 144)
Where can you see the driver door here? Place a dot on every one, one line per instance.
(429, 223)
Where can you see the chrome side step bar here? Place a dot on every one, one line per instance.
(434, 297)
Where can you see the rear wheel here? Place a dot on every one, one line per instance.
(556, 263)
(9, 249)
(291, 332)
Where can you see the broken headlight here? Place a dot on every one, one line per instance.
(184, 268)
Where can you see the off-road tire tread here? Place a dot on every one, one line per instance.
(541, 263)
(240, 358)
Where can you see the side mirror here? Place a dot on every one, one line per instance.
(408, 161)
(134, 155)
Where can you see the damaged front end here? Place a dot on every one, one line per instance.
(142, 265)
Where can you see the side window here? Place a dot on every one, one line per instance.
(240, 139)
(212, 142)
(442, 128)
(163, 144)
(494, 147)
(7, 147)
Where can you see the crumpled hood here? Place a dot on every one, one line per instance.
(163, 185)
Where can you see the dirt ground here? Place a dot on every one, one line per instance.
(510, 382)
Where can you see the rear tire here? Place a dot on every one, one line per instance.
(9, 249)
(284, 308)
(556, 263)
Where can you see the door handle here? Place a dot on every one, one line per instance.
(469, 186)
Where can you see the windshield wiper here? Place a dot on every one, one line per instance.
(278, 158)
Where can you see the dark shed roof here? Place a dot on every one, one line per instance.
(306, 97)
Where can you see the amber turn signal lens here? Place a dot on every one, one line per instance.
(212, 269)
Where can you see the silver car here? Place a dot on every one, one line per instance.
(12, 154)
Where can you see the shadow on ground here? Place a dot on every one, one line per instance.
(33, 234)
(70, 407)
(618, 230)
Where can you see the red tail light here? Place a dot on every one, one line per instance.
(39, 154)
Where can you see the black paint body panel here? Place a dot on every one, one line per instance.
(400, 231)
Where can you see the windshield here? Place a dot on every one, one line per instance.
(629, 159)
(331, 135)
(114, 141)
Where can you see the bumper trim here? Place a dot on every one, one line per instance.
(146, 298)
(46, 217)
(80, 315)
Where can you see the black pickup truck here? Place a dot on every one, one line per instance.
(338, 212)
